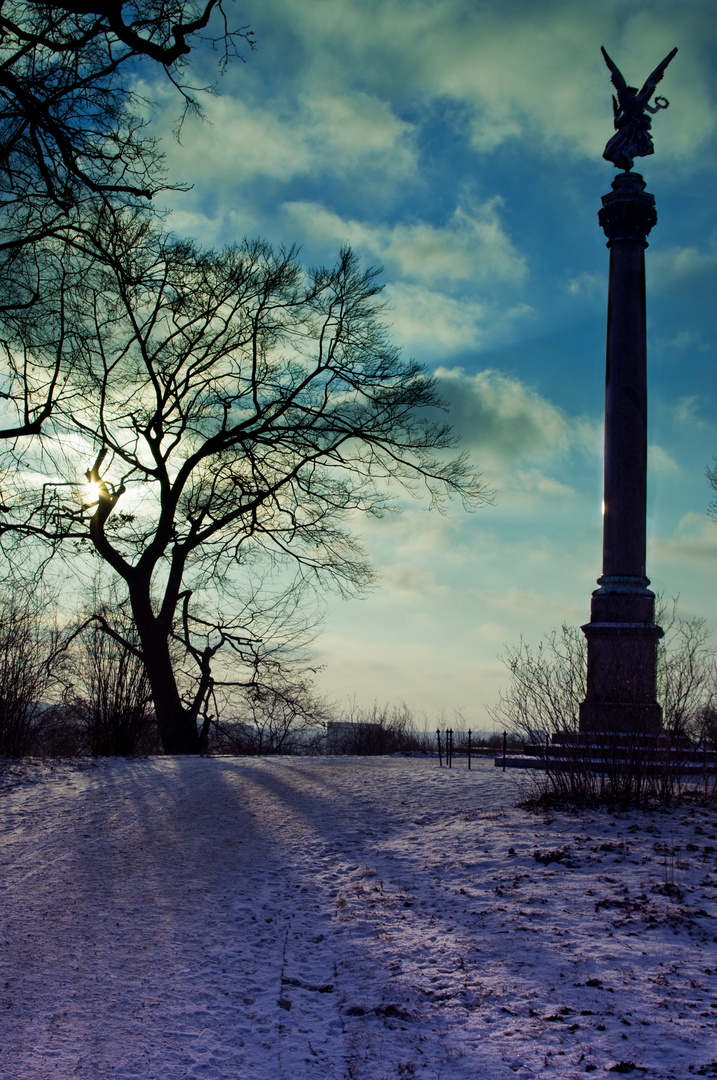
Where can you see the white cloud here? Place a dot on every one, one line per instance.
(500, 416)
(537, 481)
(684, 340)
(685, 411)
(514, 598)
(432, 325)
(424, 321)
(661, 461)
(356, 128)
(519, 70)
(415, 536)
(410, 580)
(329, 134)
(237, 143)
(472, 246)
(678, 265)
(694, 541)
(586, 284)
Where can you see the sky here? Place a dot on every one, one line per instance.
(458, 144)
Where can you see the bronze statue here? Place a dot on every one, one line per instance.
(632, 125)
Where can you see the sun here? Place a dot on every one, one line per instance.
(92, 493)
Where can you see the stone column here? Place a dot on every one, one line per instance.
(622, 635)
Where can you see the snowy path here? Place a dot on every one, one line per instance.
(348, 919)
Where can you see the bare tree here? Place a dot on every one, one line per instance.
(281, 719)
(705, 727)
(379, 729)
(72, 145)
(107, 693)
(69, 120)
(686, 670)
(28, 646)
(235, 411)
(548, 683)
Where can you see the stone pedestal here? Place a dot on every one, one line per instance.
(622, 635)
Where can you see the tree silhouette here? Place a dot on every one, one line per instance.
(233, 412)
(72, 143)
(69, 122)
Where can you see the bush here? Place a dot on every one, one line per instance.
(381, 729)
(287, 718)
(107, 699)
(28, 644)
(541, 706)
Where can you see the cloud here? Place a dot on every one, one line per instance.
(432, 325)
(521, 600)
(415, 536)
(519, 70)
(236, 143)
(499, 415)
(693, 541)
(425, 321)
(661, 461)
(526, 613)
(328, 134)
(681, 266)
(685, 340)
(586, 284)
(410, 580)
(684, 411)
(354, 129)
(471, 246)
(535, 480)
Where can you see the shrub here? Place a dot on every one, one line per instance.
(541, 705)
(28, 643)
(107, 698)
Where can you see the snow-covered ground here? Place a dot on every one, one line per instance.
(282, 919)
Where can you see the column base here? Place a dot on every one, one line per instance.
(623, 717)
(622, 659)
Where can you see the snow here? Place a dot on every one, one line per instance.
(291, 918)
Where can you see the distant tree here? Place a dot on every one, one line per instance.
(686, 670)
(28, 648)
(283, 718)
(378, 729)
(706, 727)
(107, 693)
(547, 683)
(240, 410)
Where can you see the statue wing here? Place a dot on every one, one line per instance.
(617, 78)
(651, 82)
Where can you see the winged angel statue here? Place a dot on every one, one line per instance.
(630, 108)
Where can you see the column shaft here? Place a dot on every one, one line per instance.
(622, 635)
(625, 468)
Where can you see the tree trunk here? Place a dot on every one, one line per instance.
(177, 724)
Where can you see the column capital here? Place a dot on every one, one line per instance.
(628, 211)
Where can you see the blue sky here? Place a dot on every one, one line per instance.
(458, 144)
